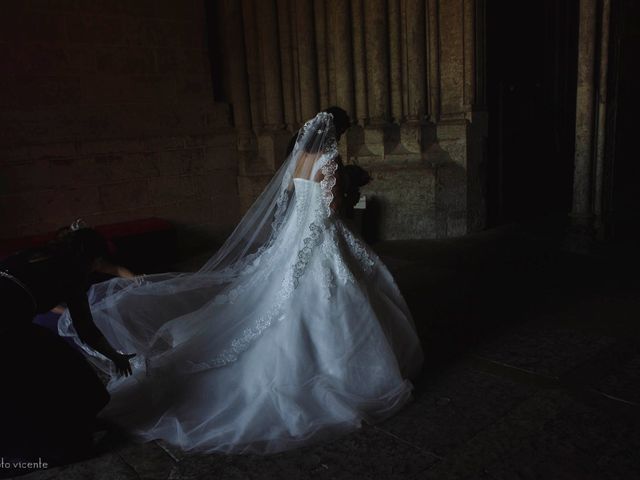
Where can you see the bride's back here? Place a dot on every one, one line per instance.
(305, 167)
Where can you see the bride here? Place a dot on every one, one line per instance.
(292, 332)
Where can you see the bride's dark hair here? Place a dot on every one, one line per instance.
(341, 120)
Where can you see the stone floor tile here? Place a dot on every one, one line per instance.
(149, 460)
(549, 436)
(623, 382)
(369, 453)
(454, 407)
(543, 349)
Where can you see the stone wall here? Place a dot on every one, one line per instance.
(107, 109)
(107, 112)
(410, 74)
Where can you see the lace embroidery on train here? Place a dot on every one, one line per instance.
(332, 253)
(292, 279)
(366, 260)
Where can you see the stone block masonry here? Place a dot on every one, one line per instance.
(107, 112)
(409, 73)
(183, 180)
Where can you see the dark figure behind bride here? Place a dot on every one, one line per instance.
(51, 395)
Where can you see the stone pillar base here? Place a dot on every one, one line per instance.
(366, 144)
(401, 202)
(404, 142)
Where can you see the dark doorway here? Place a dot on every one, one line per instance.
(623, 201)
(531, 87)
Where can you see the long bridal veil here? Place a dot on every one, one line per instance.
(152, 315)
(292, 330)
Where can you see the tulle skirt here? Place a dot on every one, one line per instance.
(266, 370)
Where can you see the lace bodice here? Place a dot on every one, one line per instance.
(302, 184)
(308, 198)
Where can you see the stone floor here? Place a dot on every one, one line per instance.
(532, 369)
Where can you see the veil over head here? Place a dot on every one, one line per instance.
(312, 158)
(153, 315)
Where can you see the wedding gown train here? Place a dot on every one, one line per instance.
(294, 332)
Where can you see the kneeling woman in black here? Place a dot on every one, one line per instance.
(50, 395)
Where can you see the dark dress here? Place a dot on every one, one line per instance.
(50, 395)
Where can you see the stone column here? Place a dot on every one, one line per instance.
(307, 64)
(340, 61)
(395, 60)
(359, 65)
(405, 70)
(601, 107)
(414, 79)
(286, 62)
(295, 63)
(253, 63)
(469, 54)
(265, 84)
(451, 68)
(320, 21)
(377, 61)
(582, 179)
(342, 54)
(433, 56)
(273, 114)
(377, 77)
(479, 64)
(235, 64)
(415, 59)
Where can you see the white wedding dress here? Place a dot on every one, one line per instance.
(294, 332)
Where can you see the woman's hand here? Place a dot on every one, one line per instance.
(92, 336)
(121, 362)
